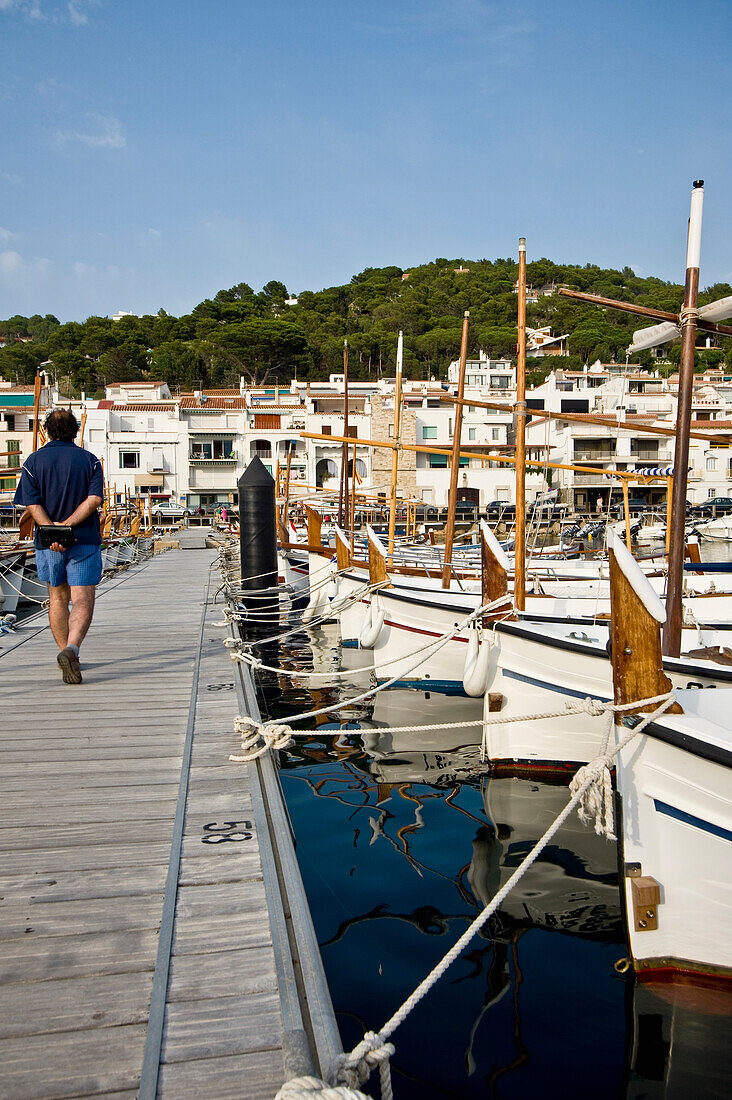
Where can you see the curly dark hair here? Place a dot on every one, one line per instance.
(61, 424)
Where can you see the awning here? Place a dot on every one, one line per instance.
(153, 480)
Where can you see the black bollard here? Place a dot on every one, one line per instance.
(257, 527)
(258, 543)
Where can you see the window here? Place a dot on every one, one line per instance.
(352, 432)
(325, 429)
(495, 434)
(711, 493)
(9, 419)
(129, 460)
(437, 462)
(503, 494)
(201, 449)
(449, 427)
(429, 432)
(471, 434)
(711, 464)
(151, 423)
(463, 461)
(391, 431)
(13, 446)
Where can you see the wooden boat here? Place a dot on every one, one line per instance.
(675, 795)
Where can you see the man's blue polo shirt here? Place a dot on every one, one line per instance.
(60, 476)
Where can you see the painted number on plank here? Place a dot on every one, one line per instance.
(215, 833)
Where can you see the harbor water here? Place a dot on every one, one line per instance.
(403, 838)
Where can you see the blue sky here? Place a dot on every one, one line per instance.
(153, 153)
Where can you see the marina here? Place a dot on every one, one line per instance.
(362, 797)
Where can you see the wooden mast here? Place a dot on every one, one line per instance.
(672, 626)
(455, 462)
(520, 539)
(36, 409)
(343, 494)
(395, 448)
(353, 501)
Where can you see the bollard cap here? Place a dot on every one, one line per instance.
(256, 473)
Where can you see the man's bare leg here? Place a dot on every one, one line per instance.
(82, 609)
(58, 613)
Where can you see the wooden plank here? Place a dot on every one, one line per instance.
(246, 970)
(253, 1076)
(74, 955)
(87, 1062)
(221, 1026)
(49, 919)
(38, 1008)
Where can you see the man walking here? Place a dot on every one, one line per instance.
(63, 485)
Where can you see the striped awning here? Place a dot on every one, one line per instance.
(656, 471)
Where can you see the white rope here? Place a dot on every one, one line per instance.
(258, 737)
(312, 1088)
(354, 1068)
(434, 647)
(377, 1040)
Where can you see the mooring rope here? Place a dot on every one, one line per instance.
(354, 1068)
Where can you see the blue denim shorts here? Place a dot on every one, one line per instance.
(79, 565)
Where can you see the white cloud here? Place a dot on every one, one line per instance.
(106, 133)
(13, 265)
(69, 12)
(9, 177)
(76, 15)
(10, 263)
(7, 235)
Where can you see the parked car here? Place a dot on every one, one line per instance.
(718, 506)
(167, 509)
(498, 508)
(636, 505)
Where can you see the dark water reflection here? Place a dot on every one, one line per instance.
(401, 840)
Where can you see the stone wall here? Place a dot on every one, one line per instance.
(382, 415)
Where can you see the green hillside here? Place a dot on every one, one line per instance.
(257, 335)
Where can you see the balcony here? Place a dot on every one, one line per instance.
(593, 480)
(197, 460)
(585, 455)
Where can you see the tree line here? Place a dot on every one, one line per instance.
(266, 339)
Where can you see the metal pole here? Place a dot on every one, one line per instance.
(672, 626)
(520, 552)
(455, 463)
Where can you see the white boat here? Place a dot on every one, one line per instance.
(675, 792)
(716, 530)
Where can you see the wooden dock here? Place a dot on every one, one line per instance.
(146, 940)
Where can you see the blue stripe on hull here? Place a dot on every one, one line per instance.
(690, 819)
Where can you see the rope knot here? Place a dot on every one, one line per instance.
(688, 313)
(258, 737)
(312, 1088)
(594, 707)
(354, 1069)
(595, 806)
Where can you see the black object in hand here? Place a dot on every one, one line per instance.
(48, 534)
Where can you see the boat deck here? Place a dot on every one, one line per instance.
(136, 949)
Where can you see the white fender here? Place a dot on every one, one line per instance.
(319, 577)
(477, 661)
(372, 624)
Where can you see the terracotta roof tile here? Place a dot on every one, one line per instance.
(159, 406)
(213, 404)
